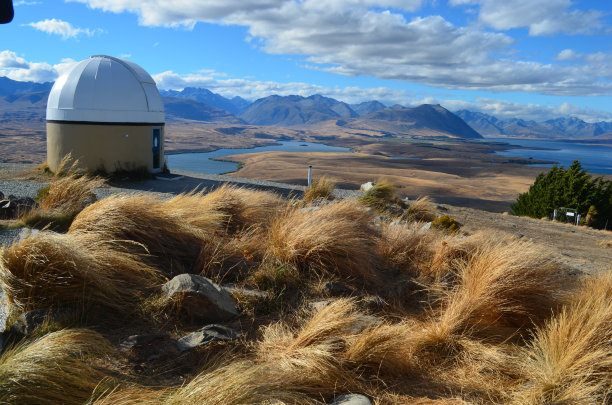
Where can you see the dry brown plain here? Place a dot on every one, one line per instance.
(450, 170)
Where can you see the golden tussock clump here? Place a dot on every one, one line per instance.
(422, 209)
(336, 238)
(243, 207)
(67, 194)
(172, 231)
(48, 269)
(321, 189)
(569, 359)
(505, 285)
(56, 368)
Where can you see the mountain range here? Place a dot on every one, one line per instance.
(559, 128)
(27, 101)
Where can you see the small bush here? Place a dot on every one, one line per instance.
(380, 196)
(447, 223)
(321, 189)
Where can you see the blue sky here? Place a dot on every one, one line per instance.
(532, 59)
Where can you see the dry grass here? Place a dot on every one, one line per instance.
(406, 246)
(503, 287)
(422, 209)
(336, 238)
(53, 369)
(321, 189)
(569, 359)
(243, 207)
(606, 243)
(172, 234)
(67, 194)
(48, 269)
(380, 196)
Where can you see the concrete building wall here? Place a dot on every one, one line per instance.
(100, 146)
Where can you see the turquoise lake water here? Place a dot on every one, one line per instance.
(202, 163)
(595, 158)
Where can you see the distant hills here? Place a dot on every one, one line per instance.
(559, 128)
(22, 102)
(234, 105)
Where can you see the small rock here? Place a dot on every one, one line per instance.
(319, 305)
(149, 347)
(335, 288)
(27, 322)
(352, 399)
(426, 227)
(141, 340)
(365, 187)
(245, 292)
(208, 334)
(200, 298)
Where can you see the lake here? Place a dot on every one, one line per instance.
(595, 158)
(202, 163)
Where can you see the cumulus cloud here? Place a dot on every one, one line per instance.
(542, 17)
(62, 28)
(9, 59)
(374, 38)
(567, 55)
(18, 68)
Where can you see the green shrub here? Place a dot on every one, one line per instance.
(380, 196)
(572, 187)
(447, 223)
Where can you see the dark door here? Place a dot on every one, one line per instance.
(156, 148)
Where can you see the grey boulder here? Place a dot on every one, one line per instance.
(199, 298)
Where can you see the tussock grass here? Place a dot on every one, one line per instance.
(321, 189)
(422, 209)
(606, 243)
(310, 356)
(243, 207)
(68, 193)
(380, 196)
(406, 246)
(49, 269)
(56, 368)
(172, 231)
(337, 238)
(569, 359)
(510, 284)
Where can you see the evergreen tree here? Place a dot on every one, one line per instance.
(572, 188)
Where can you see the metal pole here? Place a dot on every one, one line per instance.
(309, 176)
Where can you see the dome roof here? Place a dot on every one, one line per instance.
(105, 89)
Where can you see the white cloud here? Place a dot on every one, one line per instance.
(567, 55)
(63, 28)
(252, 90)
(18, 68)
(372, 38)
(9, 59)
(542, 17)
(26, 3)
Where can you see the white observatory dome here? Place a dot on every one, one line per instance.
(105, 89)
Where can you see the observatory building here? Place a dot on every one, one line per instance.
(106, 112)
